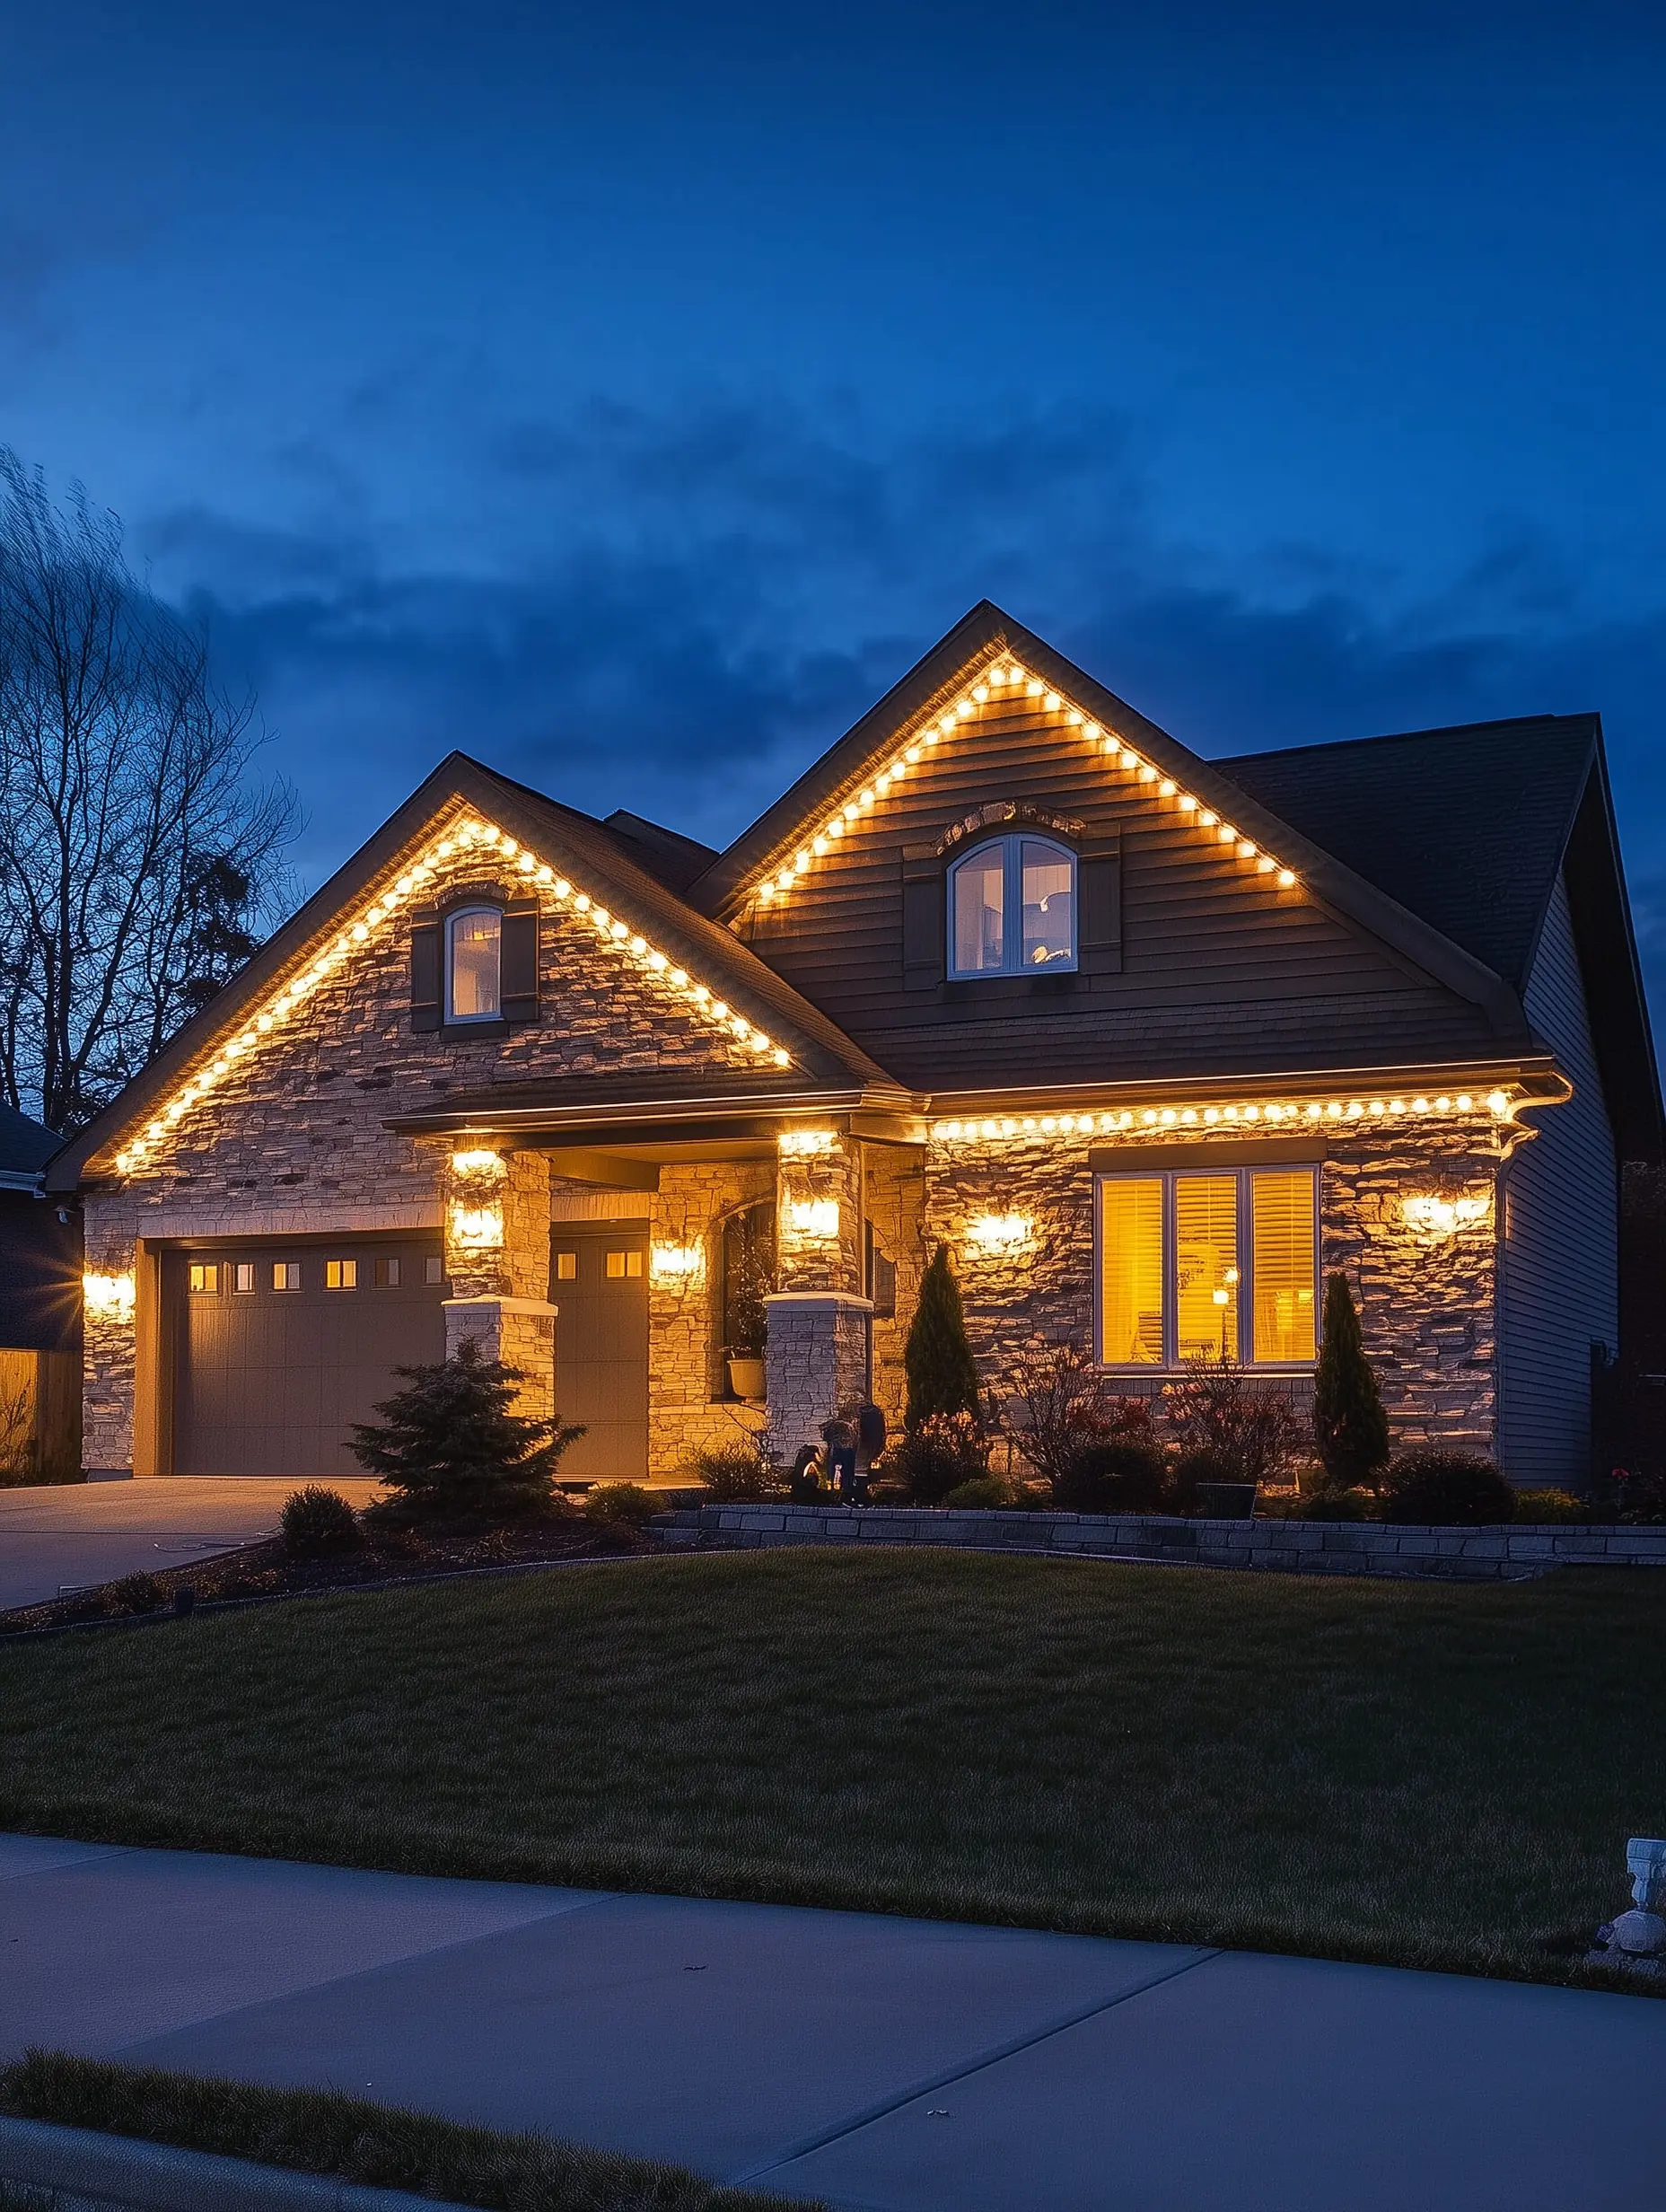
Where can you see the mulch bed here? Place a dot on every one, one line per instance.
(388, 1556)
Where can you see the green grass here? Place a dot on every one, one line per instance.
(1418, 1773)
(318, 2131)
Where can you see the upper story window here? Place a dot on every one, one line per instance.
(474, 965)
(1013, 908)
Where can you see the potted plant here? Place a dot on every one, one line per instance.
(750, 1276)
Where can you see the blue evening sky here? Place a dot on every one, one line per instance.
(629, 393)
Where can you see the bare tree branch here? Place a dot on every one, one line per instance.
(137, 858)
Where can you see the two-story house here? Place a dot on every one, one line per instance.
(1150, 1043)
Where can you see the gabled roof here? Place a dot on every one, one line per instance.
(821, 1055)
(988, 633)
(25, 1146)
(673, 859)
(1466, 826)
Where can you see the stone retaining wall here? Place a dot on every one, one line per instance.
(1295, 1546)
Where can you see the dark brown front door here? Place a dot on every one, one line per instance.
(598, 1285)
(280, 1346)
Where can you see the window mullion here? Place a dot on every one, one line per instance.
(1012, 876)
(1171, 1277)
(1246, 1269)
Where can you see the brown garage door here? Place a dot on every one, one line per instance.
(599, 1281)
(280, 1346)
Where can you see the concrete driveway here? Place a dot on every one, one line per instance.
(882, 2064)
(55, 1539)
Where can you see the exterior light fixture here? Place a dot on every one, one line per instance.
(108, 1298)
(813, 1218)
(1000, 1233)
(477, 1228)
(676, 1263)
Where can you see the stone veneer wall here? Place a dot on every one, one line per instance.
(894, 1189)
(685, 1412)
(1428, 1307)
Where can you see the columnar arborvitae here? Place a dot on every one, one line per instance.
(1350, 1427)
(943, 1375)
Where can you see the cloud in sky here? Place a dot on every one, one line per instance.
(677, 609)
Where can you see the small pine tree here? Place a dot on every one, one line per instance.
(943, 1375)
(1350, 1427)
(449, 1445)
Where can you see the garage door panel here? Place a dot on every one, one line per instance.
(269, 1382)
(599, 1281)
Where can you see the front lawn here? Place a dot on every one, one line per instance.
(1427, 1774)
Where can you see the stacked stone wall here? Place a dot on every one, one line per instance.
(894, 1194)
(686, 1410)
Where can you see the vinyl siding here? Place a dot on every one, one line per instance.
(1561, 1243)
(1219, 970)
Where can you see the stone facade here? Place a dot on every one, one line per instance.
(818, 1362)
(498, 1262)
(688, 1407)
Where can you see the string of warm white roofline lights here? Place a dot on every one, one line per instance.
(1499, 1104)
(1011, 677)
(468, 835)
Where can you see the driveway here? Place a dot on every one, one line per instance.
(888, 2064)
(59, 1538)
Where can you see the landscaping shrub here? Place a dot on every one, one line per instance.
(1350, 1427)
(1449, 1489)
(135, 1593)
(1546, 1505)
(1062, 1408)
(451, 1447)
(317, 1523)
(1125, 1475)
(630, 1504)
(734, 1472)
(937, 1359)
(936, 1456)
(1641, 1497)
(984, 1493)
(1331, 1503)
(1245, 1434)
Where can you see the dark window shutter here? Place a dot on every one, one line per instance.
(426, 970)
(1099, 937)
(520, 963)
(922, 918)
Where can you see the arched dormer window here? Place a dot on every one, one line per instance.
(474, 971)
(1013, 908)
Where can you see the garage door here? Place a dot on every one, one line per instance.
(599, 1281)
(281, 1347)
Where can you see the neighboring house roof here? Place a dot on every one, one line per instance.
(25, 1146)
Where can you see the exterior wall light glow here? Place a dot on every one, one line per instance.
(459, 842)
(477, 1228)
(1437, 1218)
(1000, 1233)
(676, 1263)
(478, 1163)
(999, 682)
(805, 1142)
(108, 1298)
(814, 1216)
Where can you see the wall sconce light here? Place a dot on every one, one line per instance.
(1000, 1233)
(676, 1263)
(108, 1298)
(477, 1228)
(804, 1143)
(1435, 1218)
(473, 1164)
(814, 1216)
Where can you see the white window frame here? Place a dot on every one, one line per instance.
(1011, 845)
(465, 914)
(1170, 1362)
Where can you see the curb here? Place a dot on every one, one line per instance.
(116, 2173)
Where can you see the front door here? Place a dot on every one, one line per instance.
(599, 1286)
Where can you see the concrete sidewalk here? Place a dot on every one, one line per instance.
(64, 1536)
(903, 2065)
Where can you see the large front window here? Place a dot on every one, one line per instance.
(1208, 1263)
(1013, 908)
(474, 965)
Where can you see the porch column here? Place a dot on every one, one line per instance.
(497, 1259)
(816, 1348)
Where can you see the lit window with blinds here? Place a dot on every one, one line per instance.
(1205, 1264)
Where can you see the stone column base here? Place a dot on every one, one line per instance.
(520, 1332)
(815, 1360)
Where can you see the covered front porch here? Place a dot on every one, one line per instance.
(678, 1278)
